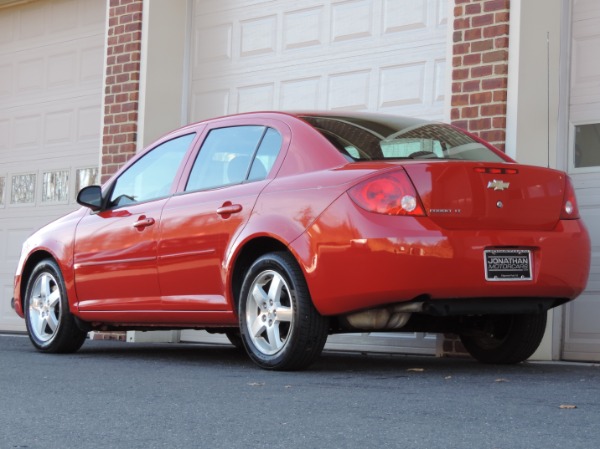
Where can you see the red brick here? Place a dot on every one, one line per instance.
(496, 5)
(454, 113)
(471, 86)
(496, 30)
(456, 88)
(495, 56)
(129, 106)
(125, 38)
(493, 135)
(461, 49)
(458, 11)
(484, 45)
(135, 7)
(474, 34)
(460, 100)
(457, 61)
(469, 112)
(499, 122)
(472, 59)
(460, 74)
(483, 20)
(123, 78)
(501, 69)
(123, 58)
(457, 36)
(480, 98)
(480, 124)
(494, 83)
(473, 8)
(494, 109)
(462, 23)
(501, 42)
(499, 95)
(462, 124)
(503, 16)
(481, 71)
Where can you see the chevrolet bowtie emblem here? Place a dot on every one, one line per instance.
(498, 185)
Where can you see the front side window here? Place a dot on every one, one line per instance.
(234, 155)
(367, 139)
(152, 176)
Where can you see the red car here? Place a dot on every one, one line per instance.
(279, 229)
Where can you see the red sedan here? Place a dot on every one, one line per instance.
(279, 229)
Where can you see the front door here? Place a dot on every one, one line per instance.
(116, 248)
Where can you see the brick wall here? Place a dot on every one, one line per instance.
(480, 68)
(121, 95)
(479, 82)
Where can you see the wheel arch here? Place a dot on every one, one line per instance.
(250, 251)
(28, 267)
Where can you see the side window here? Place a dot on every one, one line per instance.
(151, 177)
(227, 154)
(266, 155)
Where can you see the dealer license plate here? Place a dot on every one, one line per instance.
(507, 264)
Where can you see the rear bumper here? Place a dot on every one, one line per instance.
(356, 260)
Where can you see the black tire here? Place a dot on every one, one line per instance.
(279, 325)
(235, 339)
(505, 339)
(50, 324)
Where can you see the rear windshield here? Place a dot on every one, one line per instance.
(387, 137)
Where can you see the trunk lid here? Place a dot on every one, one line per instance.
(484, 195)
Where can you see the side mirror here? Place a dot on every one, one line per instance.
(90, 196)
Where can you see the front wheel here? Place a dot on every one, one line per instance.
(280, 327)
(504, 339)
(50, 324)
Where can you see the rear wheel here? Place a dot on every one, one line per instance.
(280, 327)
(50, 324)
(504, 339)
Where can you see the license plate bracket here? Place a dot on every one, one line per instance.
(503, 264)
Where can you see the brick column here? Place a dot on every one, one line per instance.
(480, 68)
(121, 94)
(479, 82)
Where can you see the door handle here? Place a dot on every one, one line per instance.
(227, 209)
(143, 222)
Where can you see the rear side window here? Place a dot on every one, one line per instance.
(234, 155)
(369, 139)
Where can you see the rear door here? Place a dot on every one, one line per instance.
(199, 225)
(116, 248)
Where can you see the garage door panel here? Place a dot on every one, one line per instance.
(53, 131)
(582, 328)
(51, 70)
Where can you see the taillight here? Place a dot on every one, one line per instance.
(570, 210)
(389, 194)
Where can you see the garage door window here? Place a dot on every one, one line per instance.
(587, 145)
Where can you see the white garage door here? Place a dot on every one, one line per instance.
(377, 55)
(582, 327)
(51, 64)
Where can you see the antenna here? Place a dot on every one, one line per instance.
(548, 93)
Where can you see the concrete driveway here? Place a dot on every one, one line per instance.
(121, 395)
